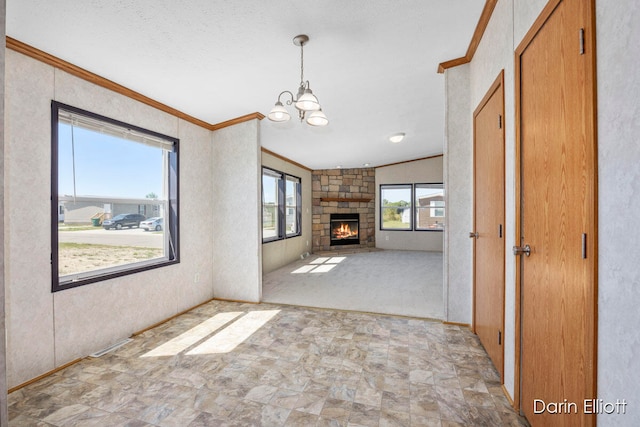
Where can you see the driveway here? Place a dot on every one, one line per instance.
(125, 237)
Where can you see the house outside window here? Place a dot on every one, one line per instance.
(102, 171)
(430, 207)
(281, 205)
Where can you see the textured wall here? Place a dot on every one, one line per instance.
(458, 173)
(4, 418)
(618, 87)
(237, 225)
(420, 171)
(46, 330)
(30, 315)
(281, 252)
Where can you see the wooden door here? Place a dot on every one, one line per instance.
(557, 193)
(488, 289)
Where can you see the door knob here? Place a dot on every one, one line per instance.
(519, 250)
(474, 235)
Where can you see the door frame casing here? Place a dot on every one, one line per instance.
(498, 84)
(592, 196)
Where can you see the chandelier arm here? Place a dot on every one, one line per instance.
(289, 102)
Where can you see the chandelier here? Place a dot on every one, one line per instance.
(305, 101)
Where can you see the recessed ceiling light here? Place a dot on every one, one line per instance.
(338, 167)
(395, 138)
(366, 164)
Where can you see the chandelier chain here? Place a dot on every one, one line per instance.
(301, 64)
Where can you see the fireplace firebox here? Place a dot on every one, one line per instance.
(345, 229)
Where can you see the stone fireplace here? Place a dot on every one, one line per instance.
(343, 209)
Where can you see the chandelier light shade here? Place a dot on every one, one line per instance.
(305, 101)
(317, 118)
(279, 113)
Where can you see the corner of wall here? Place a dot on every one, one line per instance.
(237, 253)
(457, 170)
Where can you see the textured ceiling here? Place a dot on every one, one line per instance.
(371, 63)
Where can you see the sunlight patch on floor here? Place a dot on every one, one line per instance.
(193, 335)
(303, 269)
(233, 335)
(320, 265)
(323, 268)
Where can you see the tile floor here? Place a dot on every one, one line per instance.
(232, 364)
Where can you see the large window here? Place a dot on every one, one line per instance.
(396, 207)
(429, 203)
(281, 205)
(114, 198)
(417, 207)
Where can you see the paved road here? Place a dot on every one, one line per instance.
(124, 237)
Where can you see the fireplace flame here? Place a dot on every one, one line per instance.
(344, 231)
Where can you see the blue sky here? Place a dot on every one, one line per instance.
(106, 165)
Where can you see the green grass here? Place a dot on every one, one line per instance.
(395, 224)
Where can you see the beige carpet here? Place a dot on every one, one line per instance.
(406, 283)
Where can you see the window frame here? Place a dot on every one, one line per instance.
(413, 207)
(410, 207)
(298, 205)
(173, 205)
(430, 207)
(281, 205)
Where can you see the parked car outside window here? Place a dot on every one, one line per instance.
(123, 220)
(152, 224)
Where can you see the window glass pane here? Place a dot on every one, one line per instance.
(430, 209)
(270, 184)
(396, 207)
(291, 205)
(113, 204)
(281, 205)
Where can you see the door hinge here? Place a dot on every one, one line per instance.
(581, 41)
(499, 121)
(499, 337)
(584, 245)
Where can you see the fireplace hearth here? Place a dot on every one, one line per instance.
(345, 229)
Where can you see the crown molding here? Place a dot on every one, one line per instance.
(54, 61)
(487, 11)
(409, 161)
(271, 153)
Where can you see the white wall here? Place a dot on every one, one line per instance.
(46, 330)
(458, 173)
(4, 417)
(237, 245)
(419, 171)
(282, 252)
(618, 89)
